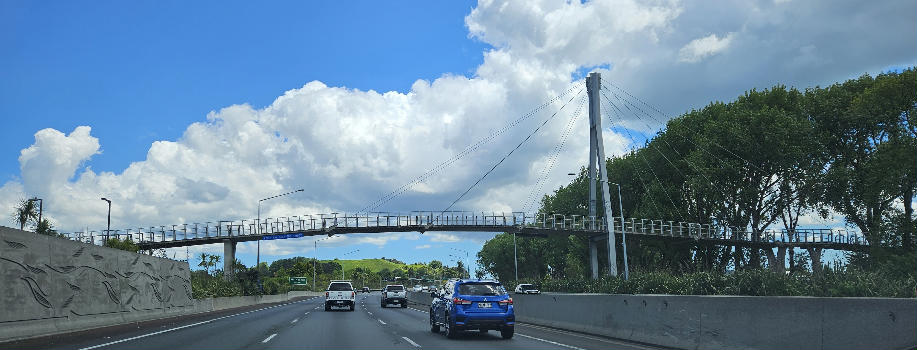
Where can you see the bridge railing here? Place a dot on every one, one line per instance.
(424, 220)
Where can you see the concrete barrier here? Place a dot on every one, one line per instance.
(51, 285)
(730, 322)
(725, 322)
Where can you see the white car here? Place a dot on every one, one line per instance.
(340, 293)
(394, 294)
(417, 288)
(526, 289)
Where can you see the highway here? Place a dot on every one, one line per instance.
(304, 324)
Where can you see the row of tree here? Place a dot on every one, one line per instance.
(275, 277)
(761, 161)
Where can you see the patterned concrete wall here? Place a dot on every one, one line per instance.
(49, 278)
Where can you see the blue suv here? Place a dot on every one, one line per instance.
(472, 304)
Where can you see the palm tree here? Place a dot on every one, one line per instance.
(25, 212)
(205, 262)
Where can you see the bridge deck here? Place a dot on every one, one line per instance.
(520, 223)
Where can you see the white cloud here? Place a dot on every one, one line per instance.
(423, 246)
(347, 147)
(701, 48)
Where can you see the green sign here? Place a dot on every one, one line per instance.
(298, 281)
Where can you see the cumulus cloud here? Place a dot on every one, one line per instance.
(700, 48)
(348, 147)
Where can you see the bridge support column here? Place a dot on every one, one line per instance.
(593, 85)
(594, 258)
(229, 257)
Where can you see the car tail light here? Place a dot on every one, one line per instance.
(461, 301)
(353, 294)
(506, 302)
(326, 294)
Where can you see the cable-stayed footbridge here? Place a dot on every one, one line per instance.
(598, 226)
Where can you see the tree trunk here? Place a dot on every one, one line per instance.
(908, 214)
(815, 256)
(776, 263)
(792, 260)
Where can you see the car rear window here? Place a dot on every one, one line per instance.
(527, 286)
(340, 287)
(394, 288)
(481, 289)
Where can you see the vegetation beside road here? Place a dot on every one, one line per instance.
(772, 158)
(275, 277)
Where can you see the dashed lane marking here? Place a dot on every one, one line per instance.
(380, 321)
(185, 326)
(269, 338)
(550, 342)
(294, 321)
(411, 341)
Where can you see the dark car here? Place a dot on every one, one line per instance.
(472, 304)
(365, 290)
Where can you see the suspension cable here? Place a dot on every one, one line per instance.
(468, 150)
(510, 153)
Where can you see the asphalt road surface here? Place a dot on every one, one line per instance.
(304, 324)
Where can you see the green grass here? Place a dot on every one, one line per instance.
(373, 265)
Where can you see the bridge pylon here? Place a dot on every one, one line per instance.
(597, 160)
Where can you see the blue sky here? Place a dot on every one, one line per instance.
(185, 112)
(160, 66)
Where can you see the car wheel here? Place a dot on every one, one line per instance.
(404, 305)
(351, 307)
(433, 326)
(383, 304)
(327, 307)
(451, 332)
(506, 332)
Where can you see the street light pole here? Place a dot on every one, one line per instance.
(623, 233)
(258, 229)
(108, 228)
(515, 261)
(315, 253)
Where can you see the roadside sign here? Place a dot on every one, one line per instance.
(282, 236)
(298, 281)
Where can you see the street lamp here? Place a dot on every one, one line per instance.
(258, 255)
(342, 259)
(315, 253)
(623, 234)
(108, 229)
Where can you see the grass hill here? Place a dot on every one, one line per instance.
(373, 265)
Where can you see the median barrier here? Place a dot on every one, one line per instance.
(725, 322)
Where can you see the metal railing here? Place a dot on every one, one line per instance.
(459, 220)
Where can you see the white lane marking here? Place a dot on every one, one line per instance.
(269, 338)
(380, 321)
(294, 321)
(581, 336)
(185, 326)
(307, 312)
(411, 341)
(369, 312)
(550, 342)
